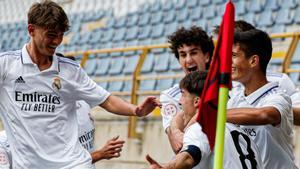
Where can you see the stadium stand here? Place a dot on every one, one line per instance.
(103, 24)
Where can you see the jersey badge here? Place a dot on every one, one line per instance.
(170, 110)
(56, 83)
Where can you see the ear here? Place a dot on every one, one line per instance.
(30, 29)
(206, 55)
(196, 102)
(254, 61)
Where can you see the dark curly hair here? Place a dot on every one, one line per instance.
(193, 36)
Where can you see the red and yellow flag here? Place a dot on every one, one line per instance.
(219, 75)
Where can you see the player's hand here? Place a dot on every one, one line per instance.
(111, 149)
(147, 106)
(153, 164)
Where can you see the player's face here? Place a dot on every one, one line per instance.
(191, 58)
(241, 67)
(189, 103)
(44, 40)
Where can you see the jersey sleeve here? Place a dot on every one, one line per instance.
(296, 99)
(194, 136)
(284, 82)
(283, 104)
(169, 109)
(89, 91)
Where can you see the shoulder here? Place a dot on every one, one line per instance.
(284, 82)
(11, 54)
(275, 89)
(277, 98)
(196, 137)
(67, 61)
(171, 93)
(296, 99)
(274, 75)
(194, 133)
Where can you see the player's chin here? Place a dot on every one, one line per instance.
(51, 50)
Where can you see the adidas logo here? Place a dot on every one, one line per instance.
(19, 80)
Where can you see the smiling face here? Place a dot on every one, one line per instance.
(45, 41)
(191, 58)
(241, 65)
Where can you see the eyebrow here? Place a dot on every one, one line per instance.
(196, 48)
(192, 50)
(55, 32)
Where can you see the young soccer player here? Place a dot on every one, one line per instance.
(261, 108)
(193, 49)
(240, 151)
(39, 90)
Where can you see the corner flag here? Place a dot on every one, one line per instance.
(215, 93)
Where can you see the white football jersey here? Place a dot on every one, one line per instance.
(86, 134)
(274, 142)
(86, 126)
(170, 98)
(38, 110)
(170, 104)
(284, 82)
(239, 150)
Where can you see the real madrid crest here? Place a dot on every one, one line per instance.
(56, 83)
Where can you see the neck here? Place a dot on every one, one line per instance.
(255, 82)
(42, 61)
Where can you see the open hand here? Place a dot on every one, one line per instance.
(111, 149)
(147, 106)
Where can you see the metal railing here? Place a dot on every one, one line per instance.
(136, 77)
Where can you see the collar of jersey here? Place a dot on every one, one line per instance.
(255, 96)
(27, 60)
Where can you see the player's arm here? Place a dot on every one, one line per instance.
(111, 149)
(119, 106)
(175, 132)
(172, 119)
(276, 108)
(87, 90)
(183, 160)
(254, 116)
(296, 111)
(296, 107)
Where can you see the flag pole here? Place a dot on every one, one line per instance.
(221, 120)
(225, 49)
